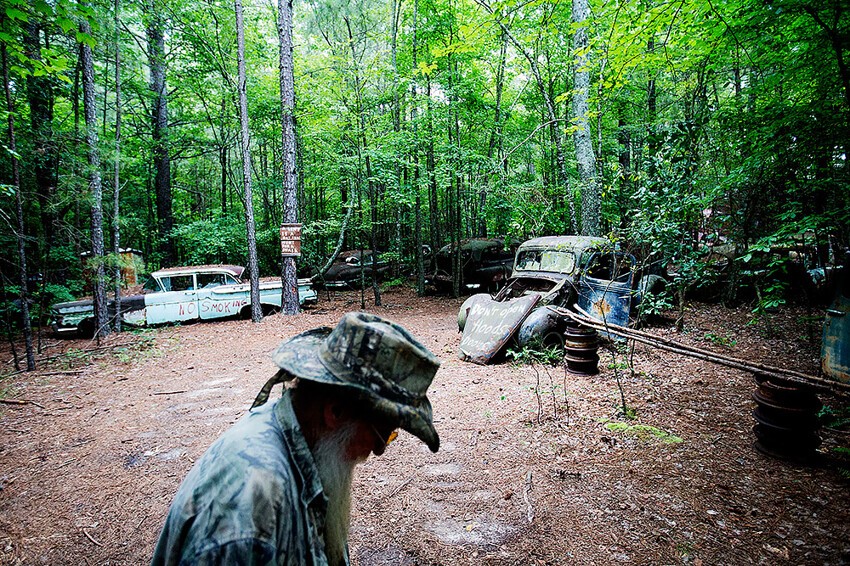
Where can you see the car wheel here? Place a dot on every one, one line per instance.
(269, 310)
(553, 339)
(86, 328)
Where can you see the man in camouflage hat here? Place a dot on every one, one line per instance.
(275, 488)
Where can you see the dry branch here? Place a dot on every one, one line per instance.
(88, 536)
(21, 402)
(526, 496)
(821, 384)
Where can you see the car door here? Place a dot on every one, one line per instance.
(177, 300)
(835, 349)
(605, 287)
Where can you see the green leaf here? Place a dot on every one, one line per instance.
(43, 7)
(66, 24)
(86, 38)
(15, 14)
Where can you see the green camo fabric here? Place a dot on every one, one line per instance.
(255, 497)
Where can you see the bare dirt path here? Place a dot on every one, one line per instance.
(527, 473)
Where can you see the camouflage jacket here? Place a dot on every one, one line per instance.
(254, 497)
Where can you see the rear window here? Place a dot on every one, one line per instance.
(560, 261)
(178, 283)
(210, 280)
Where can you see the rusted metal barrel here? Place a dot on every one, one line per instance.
(786, 419)
(581, 345)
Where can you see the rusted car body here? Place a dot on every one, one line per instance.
(564, 271)
(346, 270)
(835, 349)
(180, 294)
(486, 263)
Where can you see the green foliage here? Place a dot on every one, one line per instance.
(835, 417)
(653, 304)
(725, 122)
(392, 283)
(221, 240)
(726, 341)
(531, 354)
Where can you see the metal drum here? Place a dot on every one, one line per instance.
(786, 419)
(581, 347)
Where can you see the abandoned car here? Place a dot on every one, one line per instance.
(485, 263)
(179, 294)
(555, 272)
(348, 268)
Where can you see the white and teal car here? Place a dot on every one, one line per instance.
(180, 294)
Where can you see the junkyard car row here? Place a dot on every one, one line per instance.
(559, 270)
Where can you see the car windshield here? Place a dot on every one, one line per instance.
(151, 284)
(560, 261)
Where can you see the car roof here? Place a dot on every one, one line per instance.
(577, 243)
(234, 270)
(351, 253)
(473, 244)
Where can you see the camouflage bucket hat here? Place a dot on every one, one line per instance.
(385, 367)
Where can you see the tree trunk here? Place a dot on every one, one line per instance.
(116, 185)
(591, 203)
(417, 231)
(398, 247)
(431, 167)
(101, 317)
(495, 136)
(20, 236)
(290, 181)
(253, 263)
(161, 157)
(222, 158)
(40, 97)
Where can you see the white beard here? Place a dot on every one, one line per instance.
(336, 472)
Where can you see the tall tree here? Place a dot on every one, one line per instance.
(289, 275)
(161, 146)
(20, 235)
(549, 107)
(253, 264)
(116, 178)
(41, 96)
(591, 205)
(101, 317)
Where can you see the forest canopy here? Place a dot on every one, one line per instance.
(668, 125)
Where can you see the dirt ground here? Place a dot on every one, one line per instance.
(527, 472)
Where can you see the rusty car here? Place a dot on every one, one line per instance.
(349, 266)
(558, 272)
(485, 264)
(180, 294)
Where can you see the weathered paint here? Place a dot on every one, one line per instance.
(539, 324)
(608, 300)
(835, 350)
(171, 306)
(216, 292)
(489, 326)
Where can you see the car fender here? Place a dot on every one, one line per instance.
(539, 324)
(649, 284)
(467, 305)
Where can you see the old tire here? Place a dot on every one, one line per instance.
(86, 328)
(553, 339)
